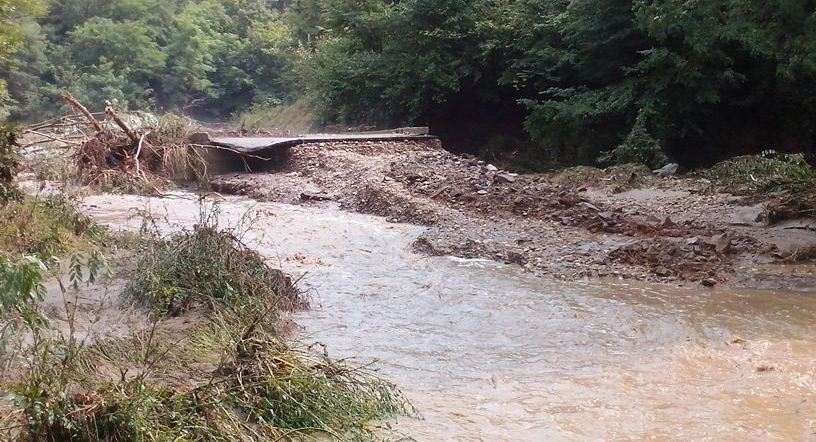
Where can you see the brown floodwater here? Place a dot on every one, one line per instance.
(487, 352)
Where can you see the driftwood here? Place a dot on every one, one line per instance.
(121, 123)
(109, 152)
(50, 138)
(79, 107)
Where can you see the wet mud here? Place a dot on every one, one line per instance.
(633, 227)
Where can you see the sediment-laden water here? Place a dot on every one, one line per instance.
(488, 352)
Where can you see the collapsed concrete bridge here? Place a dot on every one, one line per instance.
(269, 147)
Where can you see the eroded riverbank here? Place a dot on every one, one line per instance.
(623, 224)
(488, 351)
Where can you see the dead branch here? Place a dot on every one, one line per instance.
(121, 123)
(139, 151)
(43, 149)
(49, 138)
(79, 107)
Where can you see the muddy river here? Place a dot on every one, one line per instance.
(487, 352)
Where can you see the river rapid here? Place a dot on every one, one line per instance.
(487, 352)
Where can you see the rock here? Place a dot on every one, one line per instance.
(491, 168)
(748, 215)
(606, 216)
(667, 170)
(505, 178)
(720, 243)
(514, 257)
(662, 271)
(482, 192)
(308, 196)
(667, 222)
(589, 206)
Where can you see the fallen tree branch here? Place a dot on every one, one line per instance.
(79, 107)
(139, 151)
(48, 139)
(119, 122)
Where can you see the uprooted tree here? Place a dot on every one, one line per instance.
(122, 151)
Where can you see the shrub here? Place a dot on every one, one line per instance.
(46, 228)
(768, 172)
(206, 267)
(221, 378)
(9, 164)
(640, 147)
(258, 389)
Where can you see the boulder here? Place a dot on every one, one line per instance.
(667, 170)
(505, 178)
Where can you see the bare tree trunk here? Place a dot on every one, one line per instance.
(79, 107)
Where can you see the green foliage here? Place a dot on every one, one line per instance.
(210, 56)
(13, 15)
(223, 376)
(769, 172)
(296, 117)
(34, 235)
(789, 177)
(616, 80)
(21, 286)
(260, 390)
(639, 147)
(9, 164)
(712, 76)
(390, 62)
(205, 267)
(45, 228)
(129, 45)
(636, 79)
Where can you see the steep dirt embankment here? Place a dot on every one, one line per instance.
(661, 229)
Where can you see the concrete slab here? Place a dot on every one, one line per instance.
(261, 145)
(257, 144)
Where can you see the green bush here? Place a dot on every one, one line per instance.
(9, 164)
(222, 376)
(260, 389)
(206, 267)
(769, 172)
(640, 147)
(46, 228)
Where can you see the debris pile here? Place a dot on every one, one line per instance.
(121, 152)
(622, 222)
(478, 187)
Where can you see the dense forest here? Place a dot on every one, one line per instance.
(576, 81)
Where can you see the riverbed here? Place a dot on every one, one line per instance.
(486, 351)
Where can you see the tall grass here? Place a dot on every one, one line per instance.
(217, 382)
(211, 366)
(207, 266)
(769, 172)
(34, 234)
(294, 118)
(45, 227)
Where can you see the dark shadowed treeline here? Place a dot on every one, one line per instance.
(573, 81)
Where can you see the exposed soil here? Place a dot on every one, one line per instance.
(622, 223)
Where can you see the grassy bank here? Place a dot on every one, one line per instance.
(787, 180)
(211, 363)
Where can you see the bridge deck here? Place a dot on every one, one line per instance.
(256, 145)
